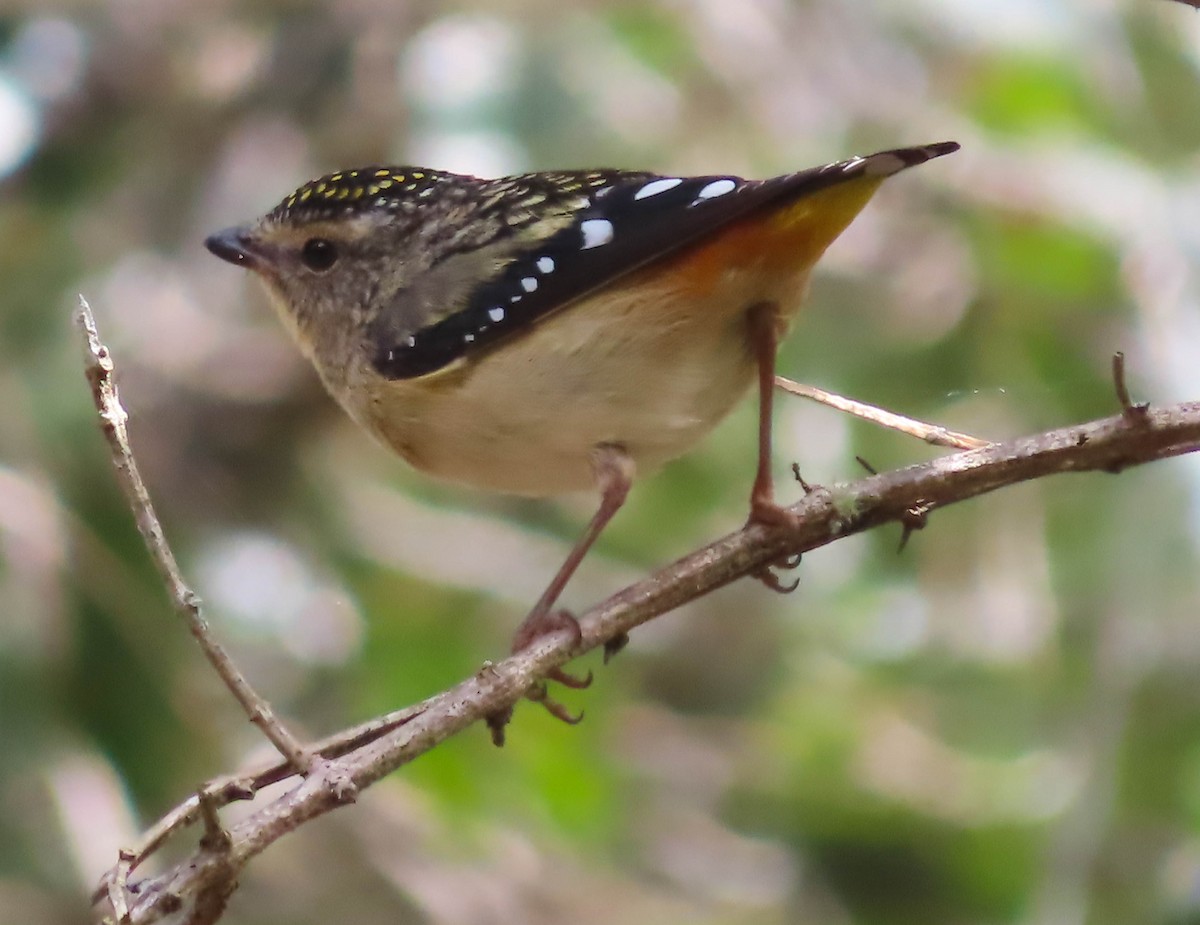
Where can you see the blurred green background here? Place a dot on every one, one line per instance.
(1000, 725)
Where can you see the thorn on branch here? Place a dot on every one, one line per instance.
(614, 645)
(1133, 413)
(805, 486)
(914, 519)
(496, 721)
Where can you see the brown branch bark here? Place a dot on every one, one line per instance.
(113, 417)
(202, 882)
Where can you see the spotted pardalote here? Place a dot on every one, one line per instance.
(549, 332)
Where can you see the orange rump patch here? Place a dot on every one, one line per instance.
(787, 238)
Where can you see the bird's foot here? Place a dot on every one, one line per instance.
(532, 628)
(767, 574)
(766, 512)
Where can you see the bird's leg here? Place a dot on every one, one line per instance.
(763, 323)
(614, 474)
(614, 470)
(764, 329)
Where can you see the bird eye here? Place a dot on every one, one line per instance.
(318, 254)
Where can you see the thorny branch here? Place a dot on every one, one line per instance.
(355, 759)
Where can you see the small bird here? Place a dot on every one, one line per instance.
(551, 332)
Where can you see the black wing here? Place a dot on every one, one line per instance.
(623, 226)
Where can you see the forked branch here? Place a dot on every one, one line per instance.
(354, 760)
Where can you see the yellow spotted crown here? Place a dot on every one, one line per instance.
(355, 188)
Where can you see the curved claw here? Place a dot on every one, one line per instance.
(768, 577)
(559, 712)
(771, 580)
(536, 625)
(566, 679)
(539, 694)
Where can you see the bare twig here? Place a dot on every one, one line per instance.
(1133, 412)
(243, 785)
(113, 419)
(930, 433)
(118, 885)
(215, 838)
(205, 879)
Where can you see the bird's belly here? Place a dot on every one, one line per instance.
(548, 448)
(648, 373)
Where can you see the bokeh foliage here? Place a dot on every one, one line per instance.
(1000, 725)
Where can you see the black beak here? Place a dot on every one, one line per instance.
(234, 245)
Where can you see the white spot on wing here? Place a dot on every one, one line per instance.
(467, 338)
(654, 187)
(528, 283)
(717, 188)
(884, 165)
(596, 232)
(545, 264)
(412, 341)
(496, 314)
